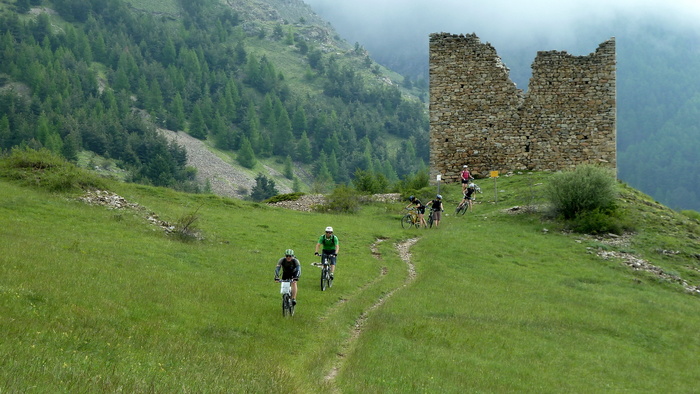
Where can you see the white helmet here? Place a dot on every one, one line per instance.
(471, 184)
(329, 229)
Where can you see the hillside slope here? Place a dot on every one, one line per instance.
(497, 300)
(224, 178)
(266, 78)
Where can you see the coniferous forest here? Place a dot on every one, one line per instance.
(101, 76)
(275, 83)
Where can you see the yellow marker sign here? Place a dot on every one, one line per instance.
(494, 174)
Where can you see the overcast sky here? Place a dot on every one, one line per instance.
(495, 21)
(394, 31)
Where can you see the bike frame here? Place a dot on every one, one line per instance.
(430, 217)
(413, 214)
(326, 281)
(286, 291)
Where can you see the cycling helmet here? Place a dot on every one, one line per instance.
(471, 185)
(439, 197)
(289, 252)
(411, 198)
(329, 229)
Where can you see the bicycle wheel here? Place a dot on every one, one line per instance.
(430, 221)
(286, 305)
(324, 278)
(407, 221)
(330, 279)
(462, 209)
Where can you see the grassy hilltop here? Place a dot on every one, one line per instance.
(94, 299)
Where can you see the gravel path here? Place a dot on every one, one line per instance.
(225, 180)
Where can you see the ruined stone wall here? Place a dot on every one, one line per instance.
(480, 118)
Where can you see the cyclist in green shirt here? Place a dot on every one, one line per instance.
(330, 246)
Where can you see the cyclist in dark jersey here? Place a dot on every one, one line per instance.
(420, 208)
(437, 209)
(291, 269)
(330, 246)
(468, 196)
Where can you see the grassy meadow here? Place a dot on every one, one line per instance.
(95, 299)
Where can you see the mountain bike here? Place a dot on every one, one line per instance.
(430, 218)
(326, 278)
(462, 208)
(286, 291)
(410, 219)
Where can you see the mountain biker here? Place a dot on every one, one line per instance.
(437, 209)
(329, 247)
(465, 175)
(291, 271)
(420, 208)
(468, 199)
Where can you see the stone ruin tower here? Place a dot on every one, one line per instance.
(480, 118)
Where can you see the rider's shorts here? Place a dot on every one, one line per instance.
(331, 258)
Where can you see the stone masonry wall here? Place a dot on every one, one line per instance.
(480, 118)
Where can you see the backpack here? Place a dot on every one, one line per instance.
(332, 242)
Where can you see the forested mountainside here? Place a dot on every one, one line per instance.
(258, 80)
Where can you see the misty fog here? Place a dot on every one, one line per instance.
(396, 32)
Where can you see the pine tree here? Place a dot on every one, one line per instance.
(296, 185)
(198, 129)
(169, 53)
(265, 145)
(288, 168)
(333, 166)
(304, 154)
(264, 188)
(23, 6)
(299, 124)
(240, 53)
(71, 146)
(178, 111)
(246, 156)
(4, 132)
(267, 114)
(284, 140)
(154, 102)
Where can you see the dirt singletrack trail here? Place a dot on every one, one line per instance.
(405, 255)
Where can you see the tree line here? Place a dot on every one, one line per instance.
(108, 76)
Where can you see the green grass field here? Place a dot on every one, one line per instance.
(95, 299)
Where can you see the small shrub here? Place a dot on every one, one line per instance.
(344, 199)
(417, 181)
(186, 226)
(585, 189)
(596, 222)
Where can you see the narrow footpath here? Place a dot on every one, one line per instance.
(405, 255)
